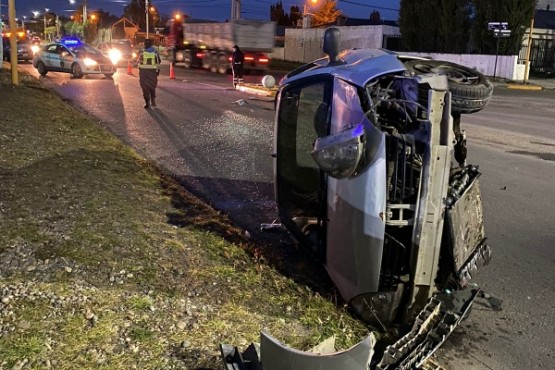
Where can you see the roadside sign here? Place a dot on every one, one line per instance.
(502, 33)
(498, 26)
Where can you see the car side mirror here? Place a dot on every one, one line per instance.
(339, 154)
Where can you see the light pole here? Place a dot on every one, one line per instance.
(45, 11)
(146, 15)
(306, 13)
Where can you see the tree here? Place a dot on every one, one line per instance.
(327, 13)
(518, 13)
(278, 15)
(135, 12)
(452, 25)
(295, 15)
(375, 16)
(445, 29)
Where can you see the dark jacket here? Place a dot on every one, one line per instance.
(237, 57)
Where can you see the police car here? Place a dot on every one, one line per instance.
(72, 56)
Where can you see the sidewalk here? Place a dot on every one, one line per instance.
(533, 84)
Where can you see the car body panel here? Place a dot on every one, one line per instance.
(24, 51)
(371, 176)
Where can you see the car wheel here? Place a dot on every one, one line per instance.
(108, 74)
(470, 90)
(76, 70)
(214, 63)
(206, 60)
(42, 68)
(222, 64)
(187, 59)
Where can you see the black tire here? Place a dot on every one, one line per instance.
(187, 59)
(109, 75)
(223, 64)
(206, 60)
(42, 68)
(214, 63)
(76, 70)
(470, 90)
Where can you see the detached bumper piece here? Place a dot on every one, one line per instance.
(432, 327)
(276, 356)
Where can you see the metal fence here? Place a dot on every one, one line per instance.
(542, 57)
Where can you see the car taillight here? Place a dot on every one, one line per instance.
(263, 60)
(200, 55)
(250, 59)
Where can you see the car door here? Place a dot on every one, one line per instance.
(65, 58)
(300, 185)
(49, 56)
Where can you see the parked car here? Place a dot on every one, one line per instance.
(371, 177)
(119, 52)
(24, 50)
(72, 56)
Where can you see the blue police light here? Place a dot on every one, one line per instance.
(71, 41)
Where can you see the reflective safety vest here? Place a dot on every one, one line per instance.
(148, 60)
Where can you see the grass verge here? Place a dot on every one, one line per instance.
(93, 275)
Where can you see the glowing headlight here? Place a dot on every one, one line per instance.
(114, 55)
(339, 154)
(35, 48)
(134, 55)
(90, 62)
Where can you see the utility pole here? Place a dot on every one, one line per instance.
(235, 9)
(1, 43)
(84, 12)
(13, 42)
(146, 15)
(528, 51)
(44, 18)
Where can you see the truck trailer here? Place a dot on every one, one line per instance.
(209, 45)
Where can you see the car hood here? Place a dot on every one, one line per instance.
(99, 58)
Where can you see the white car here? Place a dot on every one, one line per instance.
(72, 56)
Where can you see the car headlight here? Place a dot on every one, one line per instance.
(134, 55)
(90, 62)
(35, 48)
(339, 154)
(114, 55)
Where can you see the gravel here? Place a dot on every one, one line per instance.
(26, 281)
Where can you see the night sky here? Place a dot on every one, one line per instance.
(218, 10)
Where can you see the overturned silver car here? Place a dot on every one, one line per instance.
(371, 175)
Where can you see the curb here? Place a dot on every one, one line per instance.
(257, 89)
(524, 87)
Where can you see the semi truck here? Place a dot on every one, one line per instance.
(209, 45)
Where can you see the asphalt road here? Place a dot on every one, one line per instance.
(218, 142)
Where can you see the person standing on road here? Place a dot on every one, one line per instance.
(148, 61)
(237, 60)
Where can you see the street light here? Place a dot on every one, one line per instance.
(146, 15)
(45, 11)
(72, 2)
(306, 13)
